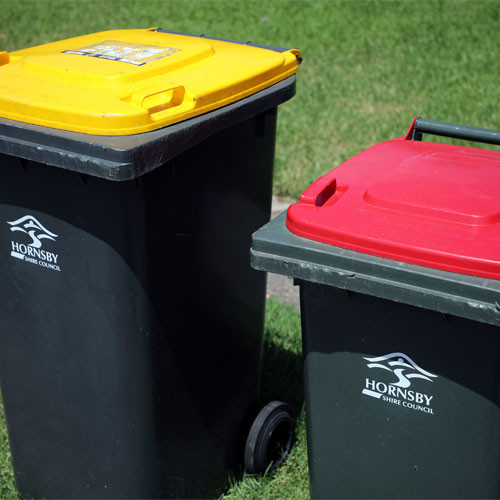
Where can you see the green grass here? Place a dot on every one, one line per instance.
(7, 485)
(282, 379)
(369, 67)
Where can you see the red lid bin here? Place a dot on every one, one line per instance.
(397, 255)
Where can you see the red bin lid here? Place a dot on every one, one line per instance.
(435, 205)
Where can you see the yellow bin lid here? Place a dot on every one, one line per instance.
(132, 81)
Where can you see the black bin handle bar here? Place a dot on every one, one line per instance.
(423, 126)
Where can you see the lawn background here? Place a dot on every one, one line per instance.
(368, 69)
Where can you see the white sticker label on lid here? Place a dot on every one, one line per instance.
(131, 53)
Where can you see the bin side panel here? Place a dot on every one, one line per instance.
(200, 217)
(402, 402)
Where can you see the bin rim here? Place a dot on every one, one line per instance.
(277, 250)
(121, 158)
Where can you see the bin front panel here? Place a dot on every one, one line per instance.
(401, 402)
(75, 357)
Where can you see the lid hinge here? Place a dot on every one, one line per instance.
(4, 58)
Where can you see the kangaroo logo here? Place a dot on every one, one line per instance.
(399, 363)
(32, 252)
(29, 225)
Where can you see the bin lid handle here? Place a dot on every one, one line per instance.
(159, 98)
(320, 191)
(420, 126)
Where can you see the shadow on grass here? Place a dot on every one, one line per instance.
(282, 365)
(282, 377)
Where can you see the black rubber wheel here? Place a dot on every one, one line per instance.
(270, 438)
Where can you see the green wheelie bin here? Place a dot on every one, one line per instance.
(397, 256)
(135, 165)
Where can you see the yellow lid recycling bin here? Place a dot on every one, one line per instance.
(135, 166)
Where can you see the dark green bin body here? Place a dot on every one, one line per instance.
(444, 443)
(132, 371)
